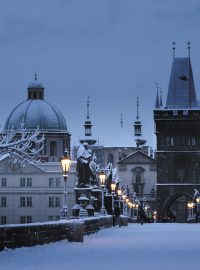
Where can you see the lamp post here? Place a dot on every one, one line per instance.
(119, 194)
(113, 186)
(102, 178)
(124, 207)
(189, 210)
(66, 163)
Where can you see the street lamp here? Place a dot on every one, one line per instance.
(113, 187)
(66, 163)
(102, 178)
(124, 206)
(119, 194)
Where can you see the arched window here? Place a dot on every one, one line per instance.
(138, 181)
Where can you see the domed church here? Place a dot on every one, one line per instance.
(36, 112)
(34, 192)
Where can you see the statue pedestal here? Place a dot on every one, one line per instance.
(83, 202)
(96, 196)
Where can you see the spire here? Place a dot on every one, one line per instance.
(157, 105)
(138, 128)
(174, 48)
(137, 116)
(88, 127)
(121, 120)
(137, 124)
(161, 103)
(88, 107)
(188, 48)
(35, 76)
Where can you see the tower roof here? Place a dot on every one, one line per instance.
(181, 92)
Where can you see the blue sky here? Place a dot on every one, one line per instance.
(112, 50)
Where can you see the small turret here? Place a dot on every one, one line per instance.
(88, 127)
(138, 128)
(35, 89)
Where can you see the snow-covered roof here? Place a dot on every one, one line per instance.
(35, 85)
(121, 138)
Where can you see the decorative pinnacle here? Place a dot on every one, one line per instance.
(161, 96)
(189, 48)
(35, 76)
(157, 104)
(88, 107)
(137, 116)
(174, 43)
(121, 120)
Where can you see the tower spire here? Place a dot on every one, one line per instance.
(189, 47)
(138, 128)
(121, 120)
(174, 48)
(157, 105)
(35, 76)
(88, 107)
(137, 116)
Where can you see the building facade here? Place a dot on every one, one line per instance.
(138, 172)
(33, 193)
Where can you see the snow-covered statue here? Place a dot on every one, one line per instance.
(84, 158)
(196, 194)
(94, 168)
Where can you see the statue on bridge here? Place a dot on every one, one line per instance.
(86, 166)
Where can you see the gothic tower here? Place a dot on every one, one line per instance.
(177, 128)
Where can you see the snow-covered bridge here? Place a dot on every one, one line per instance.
(151, 246)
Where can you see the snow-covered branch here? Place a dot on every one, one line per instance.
(21, 145)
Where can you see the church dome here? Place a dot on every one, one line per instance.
(35, 112)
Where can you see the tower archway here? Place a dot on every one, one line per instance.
(175, 206)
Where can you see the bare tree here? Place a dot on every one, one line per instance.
(21, 145)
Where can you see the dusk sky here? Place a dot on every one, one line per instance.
(111, 50)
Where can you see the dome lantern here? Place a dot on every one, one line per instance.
(35, 90)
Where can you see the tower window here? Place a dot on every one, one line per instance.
(193, 140)
(87, 131)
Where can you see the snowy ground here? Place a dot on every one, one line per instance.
(151, 246)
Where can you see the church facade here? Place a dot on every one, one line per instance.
(177, 129)
(34, 192)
